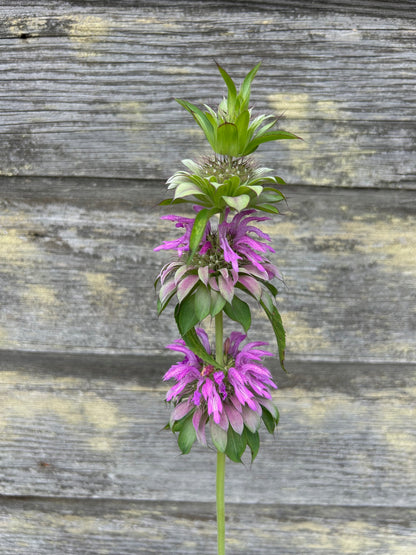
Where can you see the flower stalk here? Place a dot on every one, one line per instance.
(222, 264)
(220, 477)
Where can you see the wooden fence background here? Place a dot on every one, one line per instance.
(89, 134)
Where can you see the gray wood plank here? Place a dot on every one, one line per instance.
(87, 89)
(93, 527)
(92, 427)
(77, 270)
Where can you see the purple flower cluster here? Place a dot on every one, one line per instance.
(235, 253)
(232, 397)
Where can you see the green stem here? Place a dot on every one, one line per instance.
(219, 356)
(220, 503)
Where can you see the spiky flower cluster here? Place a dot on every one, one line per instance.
(232, 401)
(220, 257)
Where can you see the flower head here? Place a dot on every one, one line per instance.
(233, 401)
(233, 255)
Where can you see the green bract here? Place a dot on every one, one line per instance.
(231, 131)
(216, 184)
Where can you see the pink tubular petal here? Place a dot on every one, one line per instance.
(203, 336)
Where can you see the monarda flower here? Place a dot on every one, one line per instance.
(232, 401)
(233, 256)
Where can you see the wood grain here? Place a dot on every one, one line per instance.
(89, 132)
(76, 426)
(77, 270)
(92, 527)
(88, 90)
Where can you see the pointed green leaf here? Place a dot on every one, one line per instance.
(185, 315)
(198, 229)
(244, 93)
(185, 189)
(169, 201)
(187, 435)
(217, 303)
(200, 118)
(194, 343)
(269, 208)
(232, 91)
(279, 331)
(271, 136)
(253, 441)
(236, 445)
(239, 311)
(218, 436)
(202, 302)
(268, 420)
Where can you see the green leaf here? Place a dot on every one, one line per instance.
(253, 441)
(186, 189)
(198, 229)
(217, 303)
(177, 425)
(242, 127)
(279, 331)
(238, 203)
(169, 201)
(239, 311)
(244, 93)
(202, 302)
(185, 315)
(268, 420)
(269, 208)
(194, 343)
(227, 139)
(232, 91)
(236, 445)
(200, 118)
(218, 436)
(271, 136)
(187, 435)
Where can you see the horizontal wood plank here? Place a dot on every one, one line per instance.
(93, 527)
(77, 270)
(88, 90)
(92, 427)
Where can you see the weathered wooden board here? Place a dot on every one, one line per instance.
(94, 527)
(91, 426)
(87, 89)
(77, 270)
